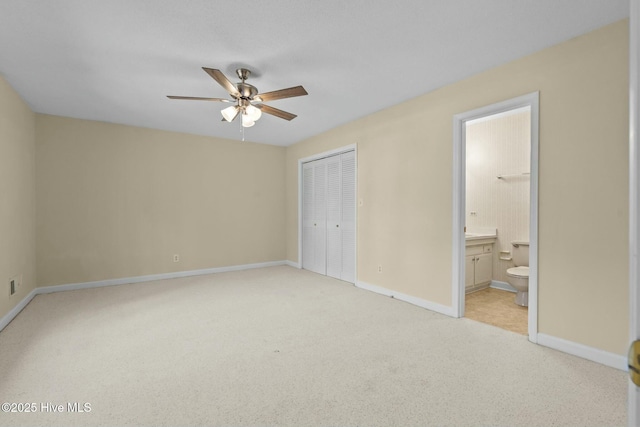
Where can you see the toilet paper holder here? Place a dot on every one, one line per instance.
(505, 256)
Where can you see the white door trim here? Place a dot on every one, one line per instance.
(459, 165)
(325, 154)
(634, 196)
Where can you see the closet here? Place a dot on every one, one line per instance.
(329, 216)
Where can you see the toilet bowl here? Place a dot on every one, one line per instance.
(518, 276)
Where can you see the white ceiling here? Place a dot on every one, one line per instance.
(116, 60)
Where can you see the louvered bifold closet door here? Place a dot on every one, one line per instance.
(308, 258)
(319, 217)
(329, 216)
(334, 217)
(348, 216)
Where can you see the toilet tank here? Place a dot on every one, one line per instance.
(520, 252)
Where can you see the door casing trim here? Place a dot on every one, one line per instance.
(459, 173)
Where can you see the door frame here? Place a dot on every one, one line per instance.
(323, 155)
(530, 100)
(634, 197)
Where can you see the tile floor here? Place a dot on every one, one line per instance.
(496, 307)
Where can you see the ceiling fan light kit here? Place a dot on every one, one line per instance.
(246, 121)
(244, 95)
(230, 113)
(253, 112)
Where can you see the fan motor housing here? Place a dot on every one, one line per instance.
(246, 90)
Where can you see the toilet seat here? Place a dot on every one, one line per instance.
(522, 272)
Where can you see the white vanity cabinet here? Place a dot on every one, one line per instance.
(478, 264)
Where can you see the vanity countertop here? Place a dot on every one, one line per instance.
(474, 236)
(481, 234)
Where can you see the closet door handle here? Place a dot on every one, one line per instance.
(337, 225)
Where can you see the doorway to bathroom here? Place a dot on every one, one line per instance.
(495, 214)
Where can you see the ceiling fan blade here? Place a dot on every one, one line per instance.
(282, 93)
(195, 98)
(222, 80)
(276, 112)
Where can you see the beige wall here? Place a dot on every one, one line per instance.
(405, 184)
(18, 197)
(118, 201)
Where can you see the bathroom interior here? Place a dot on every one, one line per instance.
(498, 149)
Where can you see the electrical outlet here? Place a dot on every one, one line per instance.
(176, 258)
(379, 269)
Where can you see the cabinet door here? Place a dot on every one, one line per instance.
(484, 268)
(469, 271)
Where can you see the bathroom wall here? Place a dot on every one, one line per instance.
(499, 145)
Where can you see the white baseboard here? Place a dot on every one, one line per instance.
(292, 264)
(162, 276)
(438, 308)
(590, 353)
(580, 350)
(4, 321)
(7, 318)
(497, 284)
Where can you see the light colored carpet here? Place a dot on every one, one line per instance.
(281, 346)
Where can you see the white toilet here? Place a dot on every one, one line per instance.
(518, 276)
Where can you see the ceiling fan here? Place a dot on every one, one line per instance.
(244, 96)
